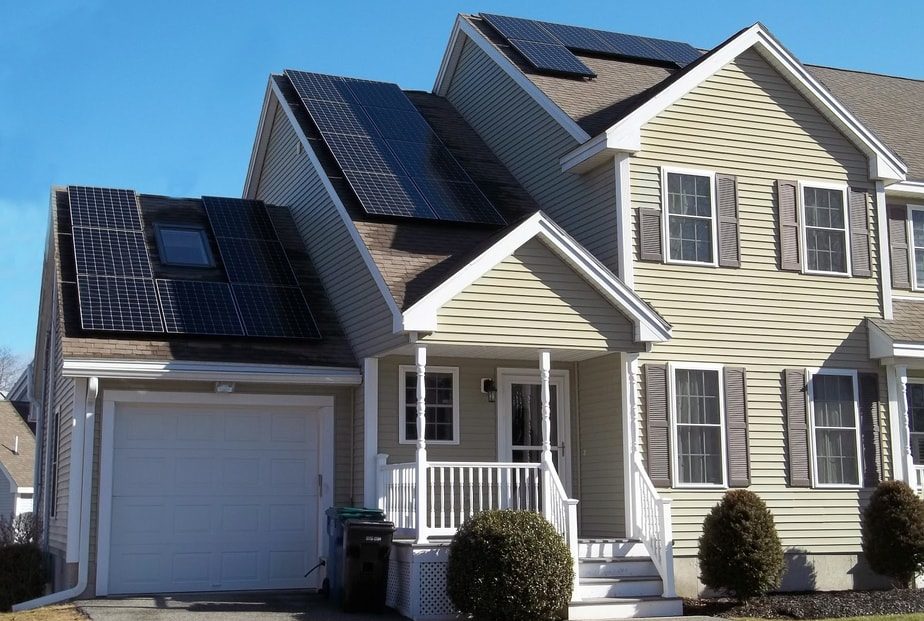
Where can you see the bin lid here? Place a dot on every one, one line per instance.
(356, 513)
(369, 524)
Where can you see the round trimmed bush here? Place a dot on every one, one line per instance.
(893, 532)
(739, 551)
(509, 565)
(22, 574)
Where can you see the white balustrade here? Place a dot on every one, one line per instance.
(918, 479)
(397, 494)
(653, 524)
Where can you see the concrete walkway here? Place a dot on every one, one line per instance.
(259, 606)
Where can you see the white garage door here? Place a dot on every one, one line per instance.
(213, 497)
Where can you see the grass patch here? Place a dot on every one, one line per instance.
(48, 613)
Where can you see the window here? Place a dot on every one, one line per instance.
(54, 425)
(442, 397)
(825, 229)
(690, 221)
(183, 245)
(835, 436)
(916, 421)
(916, 224)
(698, 418)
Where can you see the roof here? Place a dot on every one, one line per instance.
(20, 465)
(907, 325)
(332, 349)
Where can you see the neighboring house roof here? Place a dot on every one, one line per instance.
(20, 466)
(332, 349)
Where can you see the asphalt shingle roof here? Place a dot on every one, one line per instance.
(20, 465)
(908, 323)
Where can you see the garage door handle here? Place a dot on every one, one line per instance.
(320, 484)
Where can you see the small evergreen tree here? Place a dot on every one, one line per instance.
(893, 532)
(739, 550)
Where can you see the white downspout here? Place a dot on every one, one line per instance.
(83, 560)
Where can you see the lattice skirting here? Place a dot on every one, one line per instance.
(417, 582)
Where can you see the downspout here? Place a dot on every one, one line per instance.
(83, 560)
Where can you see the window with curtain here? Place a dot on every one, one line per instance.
(699, 449)
(836, 431)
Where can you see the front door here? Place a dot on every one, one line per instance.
(520, 419)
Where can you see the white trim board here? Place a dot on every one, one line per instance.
(403, 370)
(813, 449)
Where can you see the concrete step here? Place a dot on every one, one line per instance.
(625, 566)
(592, 588)
(625, 608)
(611, 548)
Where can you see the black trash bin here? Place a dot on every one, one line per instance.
(336, 517)
(366, 547)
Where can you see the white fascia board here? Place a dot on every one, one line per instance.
(625, 135)
(258, 152)
(211, 371)
(912, 189)
(650, 327)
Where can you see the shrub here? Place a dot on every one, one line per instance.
(739, 550)
(509, 565)
(22, 574)
(23, 528)
(893, 532)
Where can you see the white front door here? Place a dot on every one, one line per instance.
(520, 419)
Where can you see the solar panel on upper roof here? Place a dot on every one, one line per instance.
(389, 195)
(363, 153)
(320, 86)
(103, 208)
(108, 252)
(381, 94)
(233, 217)
(631, 46)
(681, 53)
(554, 58)
(194, 307)
(577, 38)
(516, 28)
(339, 118)
(274, 311)
(458, 201)
(427, 159)
(399, 124)
(118, 304)
(255, 261)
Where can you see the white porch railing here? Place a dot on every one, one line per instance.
(396, 494)
(652, 516)
(917, 478)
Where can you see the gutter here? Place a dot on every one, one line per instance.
(86, 464)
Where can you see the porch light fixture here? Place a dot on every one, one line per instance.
(224, 387)
(489, 388)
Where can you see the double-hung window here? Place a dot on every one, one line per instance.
(916, 234)
(915, 398)
(442, 399)
(689, 221)
(825, 229)
(835, 437)
(698, 418)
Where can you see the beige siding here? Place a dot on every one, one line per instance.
(359, 445)
(530, 142)
(747, 121)
(61, 414)
(289, 179)
(906, 292)
(533, 299)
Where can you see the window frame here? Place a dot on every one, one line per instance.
(53, 463)
(403, 370)
(672, 367)
(803, 238)
(813, 452)
(161, 246)
(915, 455)
(909, 226)
(665, 216)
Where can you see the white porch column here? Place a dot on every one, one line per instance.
(370, 431)
(545, 366)
(629, 367)
(904, 448)
(420, 361)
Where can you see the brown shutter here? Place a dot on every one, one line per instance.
(657, 425)
(649, 234)
(787, 196)
(871, 453)
(729, 232)
(796, 427)
(898, 246)
(858, 209)
(736, 427)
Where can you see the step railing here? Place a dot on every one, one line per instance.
(396, 495)
(652, 516)
(561, 511)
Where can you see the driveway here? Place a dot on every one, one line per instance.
(258, 606)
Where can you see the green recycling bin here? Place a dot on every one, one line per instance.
(366, 548)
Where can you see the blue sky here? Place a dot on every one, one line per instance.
(164, 96)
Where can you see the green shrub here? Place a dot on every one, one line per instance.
(22, 574)
(893, 532)
(22, 528)
(739, 550)
(510, 565)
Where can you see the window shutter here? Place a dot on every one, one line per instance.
(736, 427)
(787, 196)
(649, 234)
(869, 428)
(796, 427)
(657, 425)
(898, 246)
(729, 231)
(858, 210)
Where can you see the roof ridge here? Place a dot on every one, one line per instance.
(875, 73)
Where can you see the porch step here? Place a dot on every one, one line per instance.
(625, 608)
(611, 548)
(640, 586)
(620, 567)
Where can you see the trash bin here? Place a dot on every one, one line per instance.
(336, 517)
(366, 547)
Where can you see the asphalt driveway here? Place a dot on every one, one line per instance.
(259, 606)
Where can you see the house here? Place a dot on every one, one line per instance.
(17, 462)
(599, 276)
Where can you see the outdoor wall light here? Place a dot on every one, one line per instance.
(489, 388)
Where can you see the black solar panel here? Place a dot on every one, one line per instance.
(363, 153)
(389, 195)
(582, 39)
(551, 57)
(118, 304)
(234, 217)
(319, 86)
(681, 53)
(108, 252)
(380, 94)
(428, 159)
(274, 311)
(631, 46)
(339, 118)
(462, 202)
(516, 28)
(255, 261)
(193, 307)
(399, 124)
(103, 208)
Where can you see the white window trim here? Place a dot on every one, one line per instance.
(912, 268)
(665, 216)
(672, 408)
(813, 466)
(910, 422)
(824, 185)
(403, 370)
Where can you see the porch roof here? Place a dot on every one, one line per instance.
(901, 337)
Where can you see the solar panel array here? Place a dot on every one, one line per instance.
(197, 307)
(548, 47)
(391, 158)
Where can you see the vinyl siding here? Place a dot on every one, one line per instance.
(530, 142)
(902, 291)
(61, 414)
(533, 299)
(7, 498)
(289, 179)
(747, 121)
(359, 446)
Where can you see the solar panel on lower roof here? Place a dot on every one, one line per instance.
(517, 28)
(274, 311)
(108, 252)
(554, 58)
(389, 195)
(235, 217)
(118, 304)
(462, 202)
(194, 307)
(103, 208)
(255, 261)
